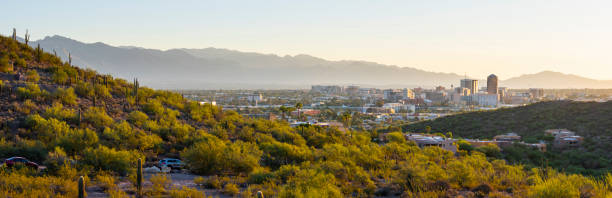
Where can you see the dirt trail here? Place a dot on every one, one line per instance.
(178, 180)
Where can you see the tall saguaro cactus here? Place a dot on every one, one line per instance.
(27, 37)
(38, 53)
(80, 116)
(136, 86)
(139, 178)
(81, 187)
(14, 34)
(69, 59)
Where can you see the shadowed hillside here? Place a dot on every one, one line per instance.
(589, 119)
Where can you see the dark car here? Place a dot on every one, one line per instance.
(10, 162)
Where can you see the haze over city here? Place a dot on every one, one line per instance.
(464, 37)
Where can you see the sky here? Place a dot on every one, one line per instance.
(472, 37)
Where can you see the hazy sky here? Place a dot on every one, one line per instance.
(507, 38)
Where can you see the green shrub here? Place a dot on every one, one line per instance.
(101, 91)
(200, 181)
(33, 150)
(20, 62)
(5, 66)
(241, 157)
(66, 96)
(122, 135)
(154, 107)
(20, 185)
(97, 117)
(205, 157)
(32, 76)
(231, 189)
(60, 77)
(84, 90)
(30, 91)
(186, 192)
(77, 140)
(56, 159)
(213, 182)
(137, 118)
(26, 107)
(311, 183)
(159, 184)
(260, 176)
(109, 159)
(47, 130)
(490, 150)
(396, 137)
(58, 111)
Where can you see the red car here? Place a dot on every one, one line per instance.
(20, 160)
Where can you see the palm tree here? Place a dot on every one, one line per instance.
(283, 110)
(299, 106)
(290, 109)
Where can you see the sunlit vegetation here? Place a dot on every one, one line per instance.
(79, 123)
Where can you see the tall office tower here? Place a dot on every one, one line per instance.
(492, 84)
(470, 84)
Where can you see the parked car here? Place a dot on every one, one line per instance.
(171, 163)
(10, 162)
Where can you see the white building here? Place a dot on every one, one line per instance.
(485, 99)
(399, 106)
(255, 98)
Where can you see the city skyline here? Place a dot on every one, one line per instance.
(508, 39)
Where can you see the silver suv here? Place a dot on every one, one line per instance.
(171, 163)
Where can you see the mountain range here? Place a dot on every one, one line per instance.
(214, 68)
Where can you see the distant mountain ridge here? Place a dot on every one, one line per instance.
(550, 79)
(214, 68)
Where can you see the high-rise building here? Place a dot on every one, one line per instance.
(470, 84)
(492, 84)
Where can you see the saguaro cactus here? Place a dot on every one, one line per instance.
(69, 59)
(81, 187)
(139, 178)
(80, 116)
(136, 86)
(14, 34)
(38, 53)
(27, 37)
